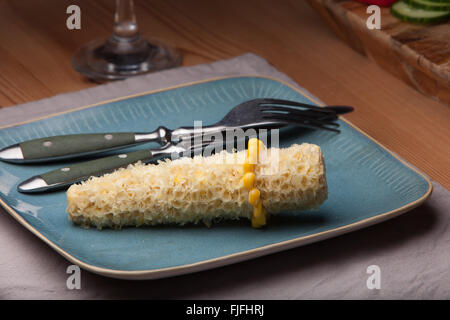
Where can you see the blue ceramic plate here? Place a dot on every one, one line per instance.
(367, 185)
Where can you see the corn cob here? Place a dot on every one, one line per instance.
(202, 189)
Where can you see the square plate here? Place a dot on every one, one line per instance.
(367, 185)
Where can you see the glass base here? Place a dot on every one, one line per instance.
(120, 58)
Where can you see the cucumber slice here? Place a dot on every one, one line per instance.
(405, 12)
(430, 5)
(440, 1)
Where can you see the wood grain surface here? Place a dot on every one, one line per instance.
(418, 54)
(36, 48)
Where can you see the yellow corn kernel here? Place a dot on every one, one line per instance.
(248, 179)
(252, 151)
(253, 143)
(257, 210)
(256, 144)
(253, 158)
(261, 146)
(248, 167)
(260, 220)
(253, 197)
(259, 216)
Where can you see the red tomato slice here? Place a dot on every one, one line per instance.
(382, 3)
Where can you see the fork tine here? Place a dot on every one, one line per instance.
(337, 109)
(290, 103)
(303, 117)
(314, 121)
(340, 109)
(300, 114)
(303, 122)
(312, 113)
(288, 109)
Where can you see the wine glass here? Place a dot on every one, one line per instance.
(125, 53)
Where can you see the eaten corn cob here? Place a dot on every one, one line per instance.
(203, 189)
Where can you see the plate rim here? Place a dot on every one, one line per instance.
(234, 257)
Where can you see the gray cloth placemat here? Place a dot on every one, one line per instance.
(411, 251)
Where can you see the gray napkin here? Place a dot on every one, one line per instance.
(410, 253)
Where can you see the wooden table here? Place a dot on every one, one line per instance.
(36, 47)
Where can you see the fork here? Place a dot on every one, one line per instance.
(256, 113)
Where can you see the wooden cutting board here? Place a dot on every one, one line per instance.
(417, 54)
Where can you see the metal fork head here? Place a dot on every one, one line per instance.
(267, 113)
(279, 112)
(271, 113)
